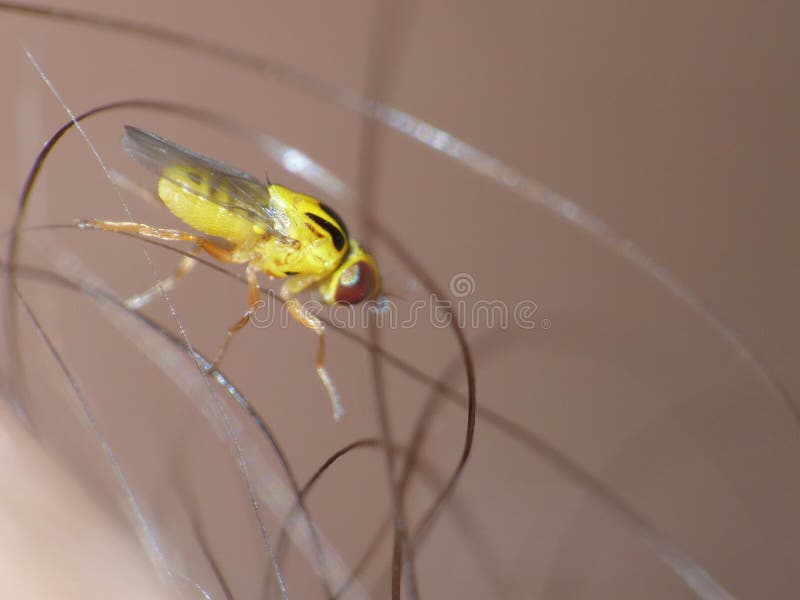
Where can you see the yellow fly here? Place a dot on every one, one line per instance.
(270, 228)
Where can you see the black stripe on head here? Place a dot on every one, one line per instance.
(337, 237)
(336, 218)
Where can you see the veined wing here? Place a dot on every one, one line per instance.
(238, 191)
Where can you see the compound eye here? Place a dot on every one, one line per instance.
(357, 282)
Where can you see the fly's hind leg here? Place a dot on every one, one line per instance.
(215, 250)
(163, 286)
(302, 315)
(186, 264)
(171, 235)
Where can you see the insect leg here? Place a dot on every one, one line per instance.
(252, 299)
(169, 235)
(164, 286)
(305, 318)
(187, 263)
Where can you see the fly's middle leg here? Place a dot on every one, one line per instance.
(303, 316)
(253, 296)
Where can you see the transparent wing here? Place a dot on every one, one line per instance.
(205, 177)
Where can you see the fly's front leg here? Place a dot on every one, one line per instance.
(253, 297)
(302, 315)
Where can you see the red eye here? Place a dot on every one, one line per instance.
(357, 283)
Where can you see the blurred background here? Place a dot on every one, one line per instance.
(636, 441)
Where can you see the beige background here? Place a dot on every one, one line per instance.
(677, 125)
